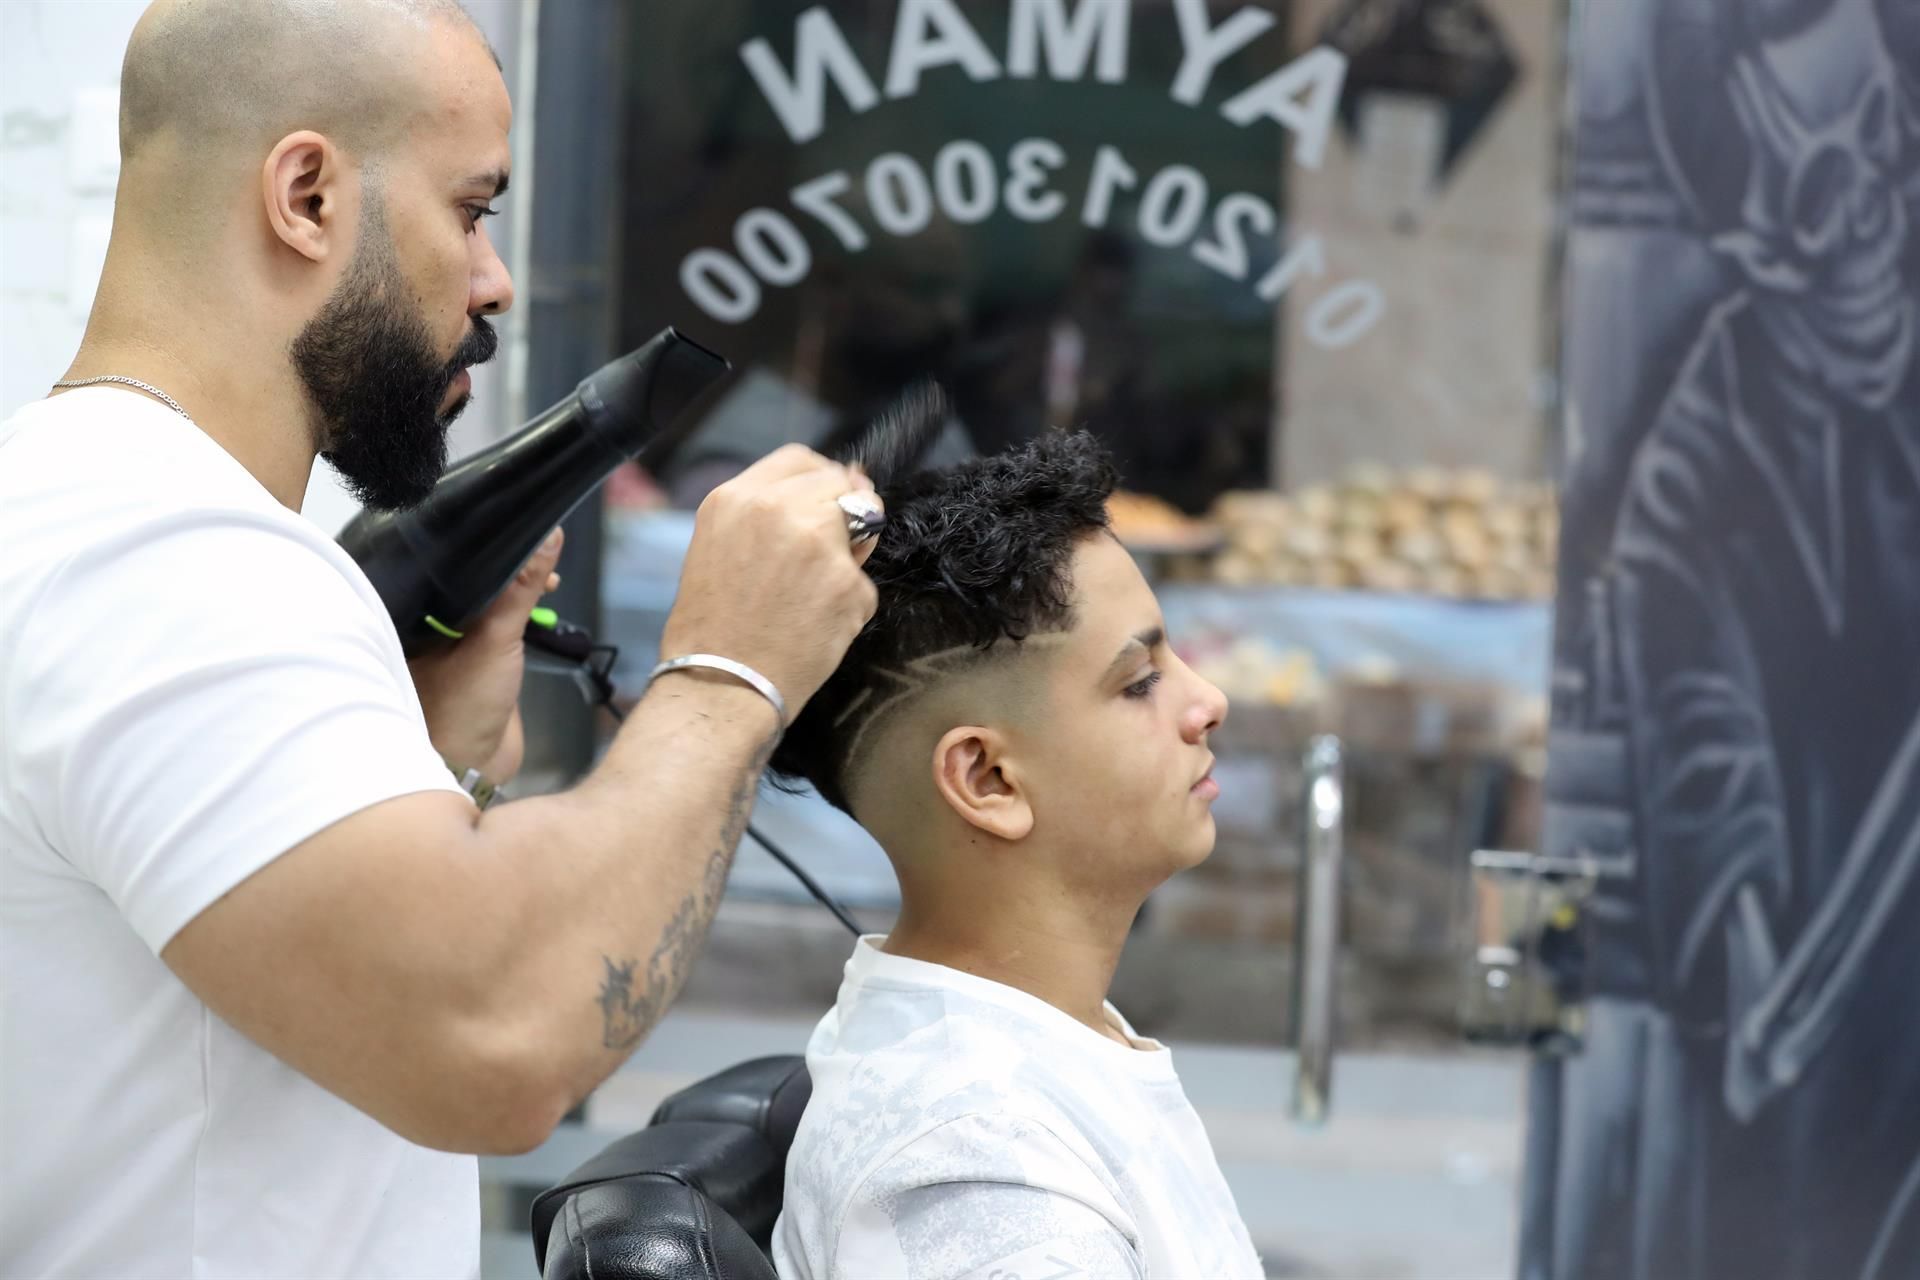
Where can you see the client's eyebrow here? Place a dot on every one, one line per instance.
(1150, 639)
(495, 178)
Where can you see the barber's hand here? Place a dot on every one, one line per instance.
(470, 690)
(770, 579)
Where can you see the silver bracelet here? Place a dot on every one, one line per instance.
(740, 670)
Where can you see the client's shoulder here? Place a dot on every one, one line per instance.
(975, 1142)
(925, 1084)
(858, 1184)
(925, 1045)
(932, 1041)
(873, 1148)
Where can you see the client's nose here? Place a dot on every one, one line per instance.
(1206, 713)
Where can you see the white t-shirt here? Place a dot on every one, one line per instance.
(960, 1128)
(193, 679)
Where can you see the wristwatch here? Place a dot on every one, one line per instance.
(475, 784)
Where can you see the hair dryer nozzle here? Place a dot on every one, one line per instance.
(629, 400)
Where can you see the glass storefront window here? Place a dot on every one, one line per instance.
(1296, 263)
(1292, 262)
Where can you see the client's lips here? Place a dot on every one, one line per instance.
(1206, 788)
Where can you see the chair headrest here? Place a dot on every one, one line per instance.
(648, 1227)
(733, 1165)
(767, 1094)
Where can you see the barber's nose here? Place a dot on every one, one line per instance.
(492, 285)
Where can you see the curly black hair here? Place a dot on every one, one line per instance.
(973, 556)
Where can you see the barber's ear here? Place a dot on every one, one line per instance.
(975, 775)
(302, 184)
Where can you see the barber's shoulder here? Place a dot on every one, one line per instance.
(169, 585)
(76, 484)
(87, 435)
(210, 553)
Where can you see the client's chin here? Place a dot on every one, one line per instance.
(1201, 848)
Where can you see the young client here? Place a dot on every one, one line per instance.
(1015, 730)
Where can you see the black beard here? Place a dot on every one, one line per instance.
(376, 384)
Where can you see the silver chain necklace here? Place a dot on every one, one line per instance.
(149, 388)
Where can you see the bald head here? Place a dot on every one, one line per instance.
(229, 77)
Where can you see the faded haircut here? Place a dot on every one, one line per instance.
(974, 559)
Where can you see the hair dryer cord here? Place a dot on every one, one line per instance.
(596, 665)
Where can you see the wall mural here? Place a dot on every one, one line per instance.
(1737, 689)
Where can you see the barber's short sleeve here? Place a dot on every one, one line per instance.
(196, 697)
(986, 1197)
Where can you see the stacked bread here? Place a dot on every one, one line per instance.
(1151, 524)
(1460, 534)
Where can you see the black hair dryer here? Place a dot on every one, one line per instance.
(439, 565)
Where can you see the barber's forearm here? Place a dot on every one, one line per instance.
(614, 883)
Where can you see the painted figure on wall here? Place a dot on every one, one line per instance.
(1738, 719)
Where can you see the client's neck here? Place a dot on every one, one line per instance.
(1050, 945)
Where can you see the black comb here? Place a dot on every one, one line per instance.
(891, 446)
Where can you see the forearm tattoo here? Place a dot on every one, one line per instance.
(632, 1000)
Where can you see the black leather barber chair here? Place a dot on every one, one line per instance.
(693, 1196)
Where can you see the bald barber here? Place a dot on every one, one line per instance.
(269, 976)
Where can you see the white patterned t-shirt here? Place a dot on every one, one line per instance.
(961, 1129)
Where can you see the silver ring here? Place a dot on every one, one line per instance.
(864, 520)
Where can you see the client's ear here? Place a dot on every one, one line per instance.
(974, 774)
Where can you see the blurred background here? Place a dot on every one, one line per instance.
(1330, 381)
(1523, 393)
